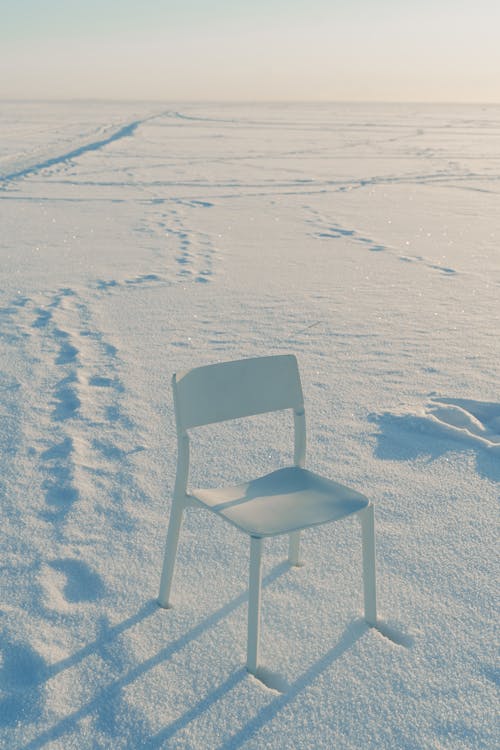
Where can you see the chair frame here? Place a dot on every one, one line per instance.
(181, 500)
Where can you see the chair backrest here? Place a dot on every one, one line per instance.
(230, 390)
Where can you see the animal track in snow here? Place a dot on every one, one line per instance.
(324, 229)
(435, 267)
(191, 249)
(147, 279)
(335, 232)
(330, 230)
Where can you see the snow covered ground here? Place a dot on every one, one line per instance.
(138, 240)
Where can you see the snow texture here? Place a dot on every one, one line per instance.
(139, 240)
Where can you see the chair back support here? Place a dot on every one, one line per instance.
(230, 390)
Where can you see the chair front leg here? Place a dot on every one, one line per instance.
(369, 578)
(254, 597)
(170, 552)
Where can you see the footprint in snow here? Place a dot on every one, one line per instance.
(67, 352)
(99, 381)
(44, 317)
(82, 584)
(22, 671)
(67, 401)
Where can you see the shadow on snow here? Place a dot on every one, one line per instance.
(105, 702)
(447, 426)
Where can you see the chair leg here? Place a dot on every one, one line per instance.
(170, 553)
(254, 597)
(294, 548)
(369, 580)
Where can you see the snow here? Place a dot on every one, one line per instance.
(140, 240)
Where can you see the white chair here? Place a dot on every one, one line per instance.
(283, 502)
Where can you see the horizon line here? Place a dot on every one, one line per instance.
(120, 100)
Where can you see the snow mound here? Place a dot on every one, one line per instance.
(477, 422)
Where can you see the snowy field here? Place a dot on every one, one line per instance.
(139, 240)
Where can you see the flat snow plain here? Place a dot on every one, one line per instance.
(138, 240)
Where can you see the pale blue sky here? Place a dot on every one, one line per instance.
(369, 50)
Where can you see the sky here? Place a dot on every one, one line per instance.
(251, 50)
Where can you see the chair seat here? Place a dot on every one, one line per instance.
(285, 500)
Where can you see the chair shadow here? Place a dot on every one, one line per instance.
(353, 632)
(158, 740)
(108, 694)
(23, 671)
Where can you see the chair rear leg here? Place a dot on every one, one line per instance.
(369, 578)
(294, 548)
(254, 598)
(170, 553)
